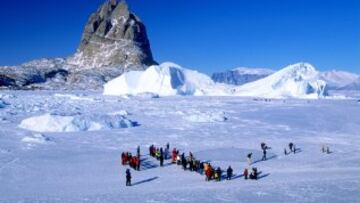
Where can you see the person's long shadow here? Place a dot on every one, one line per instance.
(297, 150)
(267, 158)
(260, 175)
(146, 164)
(237, 176)
(145, 181)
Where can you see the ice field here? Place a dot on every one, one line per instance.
(76, 155)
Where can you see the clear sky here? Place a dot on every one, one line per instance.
(207, 35)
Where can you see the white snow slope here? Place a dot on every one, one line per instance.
(337, 79)
(85, 166)
(300, 80)
(168, 79)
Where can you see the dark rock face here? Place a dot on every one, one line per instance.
(114, 41)
(112, 36)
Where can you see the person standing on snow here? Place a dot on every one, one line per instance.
(174, 155)
(138, 151)
(291, 146)
(264, 155)
(218, 174)
(246, 173)
(249, 159)
(229, 173)
(161, 160)
(128, 177)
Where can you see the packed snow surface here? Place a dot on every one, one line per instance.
(60, 123)
(168, 79)
(84, 166)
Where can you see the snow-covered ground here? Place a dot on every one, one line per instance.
(85, 166)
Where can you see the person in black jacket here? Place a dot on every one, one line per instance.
(128, 177)
(161, 160)
(229, 173)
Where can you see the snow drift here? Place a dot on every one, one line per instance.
(295, 81)
(77, 123)
(167, 79)
(36, 138)
(300, 80)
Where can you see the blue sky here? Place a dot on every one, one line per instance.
(207, 35)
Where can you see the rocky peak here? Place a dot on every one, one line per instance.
(113, 36)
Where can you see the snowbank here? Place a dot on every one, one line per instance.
(77, 123)
(300, 80)
(36, 139)
(74, 97)
(3, 104)
(167, 79)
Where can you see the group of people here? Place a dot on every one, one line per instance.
(192, 164)
(325, 149)
(133, 161)
(292, 149)
(159, 153)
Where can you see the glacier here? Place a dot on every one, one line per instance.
(168, 79)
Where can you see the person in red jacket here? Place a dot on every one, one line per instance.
(174, 155)
(246, 173)
(209, 173)
(123, 158)
(137, 163)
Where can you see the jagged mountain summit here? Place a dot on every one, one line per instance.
(240, 76)
(114, 41)
(112, 36)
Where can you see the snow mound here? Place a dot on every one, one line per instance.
(167, 79)
(77, 123)
(205, 117)
(36, 139)
(73, 97)
(2, 104)
(300, 80)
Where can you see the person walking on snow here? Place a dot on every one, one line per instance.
(128, 177)
(229, 173)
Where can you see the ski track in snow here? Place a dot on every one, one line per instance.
(85, 166)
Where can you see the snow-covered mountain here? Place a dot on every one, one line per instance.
(338, 79)
(355, 85)
(240, 76)
(114, 41)
(168, 79)
(300, 80)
